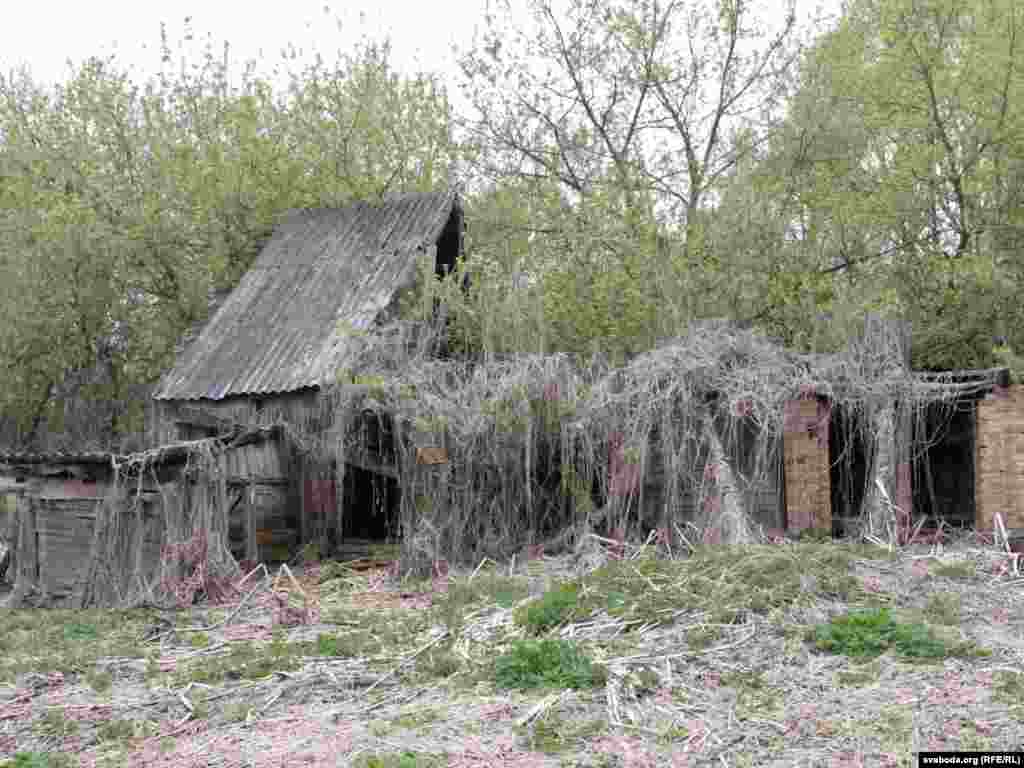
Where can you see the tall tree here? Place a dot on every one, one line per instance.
(901, 167)
(123, 204)
(637, 110)
(640, 94)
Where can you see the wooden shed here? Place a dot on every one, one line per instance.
(49, 527)
(52, 528)
(283, 333)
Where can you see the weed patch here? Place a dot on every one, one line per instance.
(546, 663)
(943, 609)
(552, 609)
(400, 760)
(55, 723)
(486, 589)
(38, 760)
(100, 682)
(554, 733)
(859, 676)
(957, 570)
(116, 730)
(1008, 688)
(439, 662)
(867, 634)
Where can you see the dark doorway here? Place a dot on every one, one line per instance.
(848, 469)
(944, 464)
(371, 506)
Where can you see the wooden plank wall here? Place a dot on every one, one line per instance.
(999, 460)
(64, 529)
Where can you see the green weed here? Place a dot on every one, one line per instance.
(439, 662)
(554, 733)
(956, 570)
(944, 609)
(485, 589)
(703, 637)
(38, 760)
(867, 634)
(116, 730)
(858, 676)
(405, 759)
(55, 723)
(552, 609)
(417, 718)
(99, 681)
(546, 663)
(80, 631)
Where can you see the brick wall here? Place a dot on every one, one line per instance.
(999, 459)
(805, 456)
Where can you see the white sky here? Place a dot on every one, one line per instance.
(44, 34)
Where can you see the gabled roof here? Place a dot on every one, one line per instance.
(322, 273)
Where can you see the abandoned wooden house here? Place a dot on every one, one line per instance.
(324, 277)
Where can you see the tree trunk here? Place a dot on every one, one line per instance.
(880, 498)
(731, 518)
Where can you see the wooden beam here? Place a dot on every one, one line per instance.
(251, 551)
(304, 527)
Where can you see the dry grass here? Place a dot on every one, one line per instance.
(707, 660)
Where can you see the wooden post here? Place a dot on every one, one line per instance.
(304, 527)
(11, 536)
(251, 550)
(27, 574)
(325, 517)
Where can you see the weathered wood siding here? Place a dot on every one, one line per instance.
(999, 460)
(762, 495)
(63, 531)
(173, 420)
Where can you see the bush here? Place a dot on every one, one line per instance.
(546, 663)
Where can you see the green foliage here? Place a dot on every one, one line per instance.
(552, 609)
(327, 645)
(116, 730)
(1009, 689)
(699, 638)
(405, 759)
(80, 631)
(894, 161)
(546, 663)
(553, 733)
(956, 570)
(99, 681)
(463, 595)
(867, 634)
(439, 662)
(944, 609)
(858, 676)
(55, 723)
(126, 202)
(38, 760)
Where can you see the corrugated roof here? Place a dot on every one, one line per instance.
(55, 457)
(278, 331)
